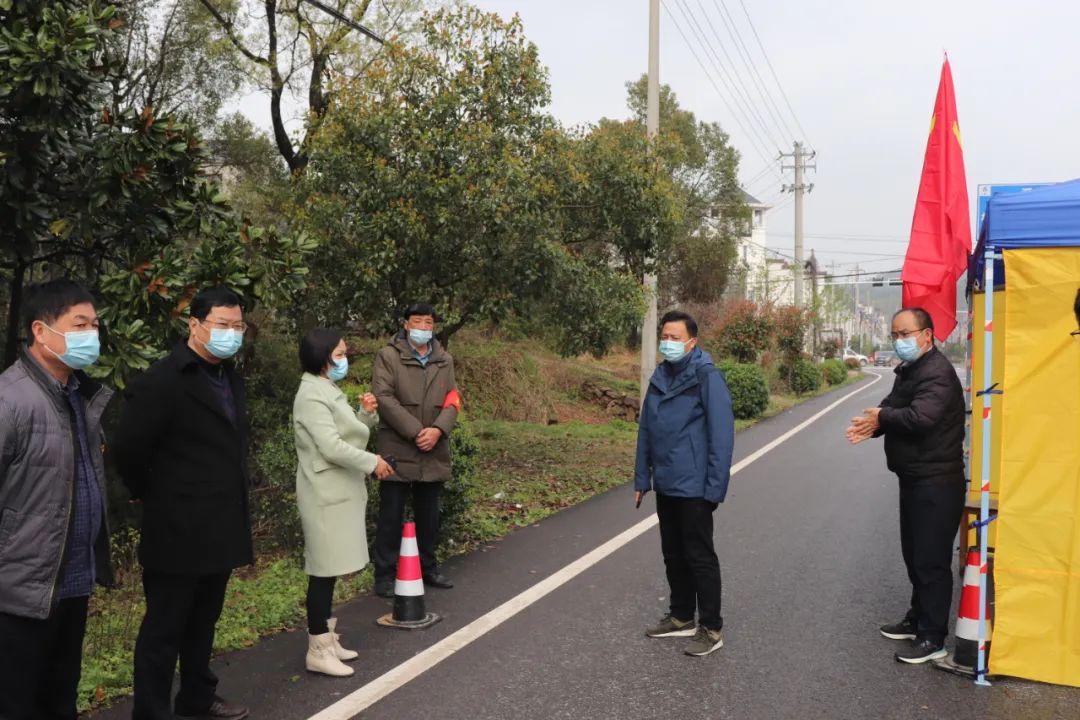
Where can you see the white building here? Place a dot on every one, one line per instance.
(750, 276)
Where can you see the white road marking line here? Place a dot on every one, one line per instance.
(366, 696)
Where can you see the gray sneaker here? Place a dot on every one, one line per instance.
(670, 627)
(706, 641)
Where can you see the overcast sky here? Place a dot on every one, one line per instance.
(861, 76)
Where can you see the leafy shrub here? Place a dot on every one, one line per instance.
(745, 331)
(830, 348)
(748, 387)
(834, 372)
(852, 363)
(792, 324)
(802, 376)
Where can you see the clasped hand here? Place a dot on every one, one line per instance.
(863, 427)
(428, 438)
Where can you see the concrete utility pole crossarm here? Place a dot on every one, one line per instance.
(799, 164)
(652, 127)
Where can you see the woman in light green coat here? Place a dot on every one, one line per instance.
(331, 445)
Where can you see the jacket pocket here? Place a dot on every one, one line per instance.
(319, 464)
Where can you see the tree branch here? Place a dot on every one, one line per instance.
(230, 31)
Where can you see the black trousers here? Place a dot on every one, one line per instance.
(425, 504)
(181, 615)
(693, 570)
(320, 601)
(40, 663)
(930, 513)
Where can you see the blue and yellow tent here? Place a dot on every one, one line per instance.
(1024, 277)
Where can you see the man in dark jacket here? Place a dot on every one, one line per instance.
(414, 382)
(181, 449)
(54, 539)
(922, 420)
(686, 435)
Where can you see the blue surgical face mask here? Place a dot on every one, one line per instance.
(82, 348)
(672, 350)
(224, 343)
(419, 337)
(339, 369)
(907, 349)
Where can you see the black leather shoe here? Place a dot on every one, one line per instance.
(384, 588)
(437, 579)
(220, 710)
(922, 651)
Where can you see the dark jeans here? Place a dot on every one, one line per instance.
(40, 663)
(181, 614)
(425, 503)
(320, 601)
(693, 570)
(929, 518)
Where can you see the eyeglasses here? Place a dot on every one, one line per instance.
(240, 327)
(904, 334)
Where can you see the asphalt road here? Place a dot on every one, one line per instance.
(808, 543)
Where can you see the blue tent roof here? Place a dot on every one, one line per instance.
(1044, 217)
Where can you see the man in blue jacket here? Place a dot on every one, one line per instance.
(685, 440)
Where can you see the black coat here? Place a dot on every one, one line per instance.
(180, 454)
(923, 420)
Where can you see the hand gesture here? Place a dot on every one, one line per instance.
(428, 438)
(382, 468)
(370, 403)
(862, 428)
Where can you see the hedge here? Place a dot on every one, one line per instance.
(803, 376)
(834, 371)
(748, 387)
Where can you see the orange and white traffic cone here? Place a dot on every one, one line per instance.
(966, 651)
(409, 612)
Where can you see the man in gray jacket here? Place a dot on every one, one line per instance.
(54, 540)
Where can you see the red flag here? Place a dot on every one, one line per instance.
(937, 255)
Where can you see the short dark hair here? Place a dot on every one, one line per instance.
(316, 349)
(922, 318)
(679, 316)
(209, 298)
(420, 309)
(48, 301)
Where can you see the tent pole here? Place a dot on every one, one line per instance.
(984, 505)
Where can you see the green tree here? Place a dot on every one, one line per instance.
(439, 177)
(117, 201)
(697, 265)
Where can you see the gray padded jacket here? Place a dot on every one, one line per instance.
(37, 480)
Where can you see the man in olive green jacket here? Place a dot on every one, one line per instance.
(413, 380)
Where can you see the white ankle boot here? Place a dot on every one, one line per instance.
(322, 656)
(342, 653)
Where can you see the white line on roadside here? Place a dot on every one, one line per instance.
(388, 682)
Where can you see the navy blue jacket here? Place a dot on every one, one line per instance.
(686, 433)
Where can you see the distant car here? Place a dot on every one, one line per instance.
(850, 354)
(886, 358)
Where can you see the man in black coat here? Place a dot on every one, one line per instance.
(181, 449)
(922, 420)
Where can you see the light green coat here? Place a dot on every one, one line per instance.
(331, 445)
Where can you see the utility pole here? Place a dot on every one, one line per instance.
(814, 307)
(652, 127)
(799, 157)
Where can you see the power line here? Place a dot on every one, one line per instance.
(752, 131)
(774, 76)
(755, 76)
(762, 124)
(712, 81)
(344, 19)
